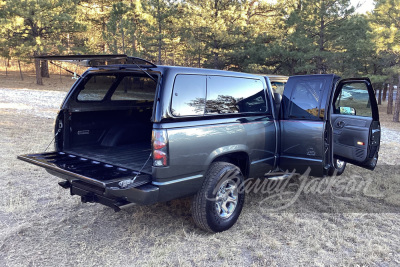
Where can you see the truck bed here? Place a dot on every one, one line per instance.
(131, 156)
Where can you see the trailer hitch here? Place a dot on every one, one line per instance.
(90, 197)
(65, 184)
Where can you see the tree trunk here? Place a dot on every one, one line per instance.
(160, 39)
(216, 55)
(390, 100)
(103, 28)
(39, 80)
(134, 45)
(44, 69)
(385, 87)
(380, 95)
(159, 46)
(115, 48)
(321, 43)
(199, 60)
(60, 75)
(68, 48)
(215, 42)
(123, 40)
(7, 65)
(397, 105)
(20, 71)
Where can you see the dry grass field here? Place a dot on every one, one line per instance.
(42, 225)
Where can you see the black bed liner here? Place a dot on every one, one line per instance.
(75, 167)
(132, 156)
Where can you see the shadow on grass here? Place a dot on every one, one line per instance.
(356, 191)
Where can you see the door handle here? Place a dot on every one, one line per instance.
(340, 124)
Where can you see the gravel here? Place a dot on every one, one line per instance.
(36, 102)
(389, 136)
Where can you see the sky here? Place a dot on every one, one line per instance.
(366, 5)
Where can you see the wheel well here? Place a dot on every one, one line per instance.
(240, 159)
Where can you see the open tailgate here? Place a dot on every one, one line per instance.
(97, 181)
(84, 169)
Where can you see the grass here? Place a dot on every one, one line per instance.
(42, 225)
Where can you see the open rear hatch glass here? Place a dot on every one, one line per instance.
(74, 167)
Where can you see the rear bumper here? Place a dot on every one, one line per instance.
(112, 196)
(144, 195)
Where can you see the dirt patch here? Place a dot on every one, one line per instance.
(43, 225)
(56, 82)
(387, 119)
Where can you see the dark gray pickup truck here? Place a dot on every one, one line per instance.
(133, 132)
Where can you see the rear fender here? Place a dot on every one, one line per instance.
(225, 152)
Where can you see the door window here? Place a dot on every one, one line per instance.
(306, 97)
(353, 99)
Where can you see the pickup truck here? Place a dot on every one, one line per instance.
(130, 131)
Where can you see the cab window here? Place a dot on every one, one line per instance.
(227, 95)
(189, 95)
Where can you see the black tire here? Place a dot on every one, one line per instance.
(213, 207)
(339, 167)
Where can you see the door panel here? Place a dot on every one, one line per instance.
(350, 139)
(261, 141)
(355, 123)
(302, 146)
(303, 123)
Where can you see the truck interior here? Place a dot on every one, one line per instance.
(277, 85)
(108, 118)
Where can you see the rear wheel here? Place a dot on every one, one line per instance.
(217, 205)
(339, 166)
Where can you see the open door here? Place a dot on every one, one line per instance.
(355, 123)
(303, 124)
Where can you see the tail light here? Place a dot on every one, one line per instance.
(159, 142)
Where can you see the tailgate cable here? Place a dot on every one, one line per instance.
(59, 130)
(67, 70)
(126, 183)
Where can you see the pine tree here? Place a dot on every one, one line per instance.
(38, 27)
(311, 29)
(385, 23)
(160, 28)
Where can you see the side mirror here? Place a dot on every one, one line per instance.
(347, 111)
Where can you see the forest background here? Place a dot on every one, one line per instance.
(258, 36)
